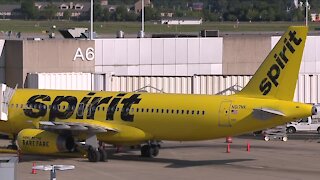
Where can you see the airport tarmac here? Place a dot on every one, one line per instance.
(298, 158)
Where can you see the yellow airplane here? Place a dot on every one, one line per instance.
(50, 121)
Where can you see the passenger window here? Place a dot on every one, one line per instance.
(98, 108)
(162, 110)
(118, 109)
(17, 105)
(142, 110)
(177, 111)
(172, 111)
(182, 111)
(21, 106)
(202, 112)
(103, 108)
(137, 109)
(187, 112)
(152, 110)
(147, 110)
(157, 110)
(192, 112)
(167, 111)
(198, 112)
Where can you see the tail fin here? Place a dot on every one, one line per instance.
(277, 75)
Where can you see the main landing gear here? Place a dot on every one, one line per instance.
(96, 151)
(150, 150)
(13, 144)
(97, 154)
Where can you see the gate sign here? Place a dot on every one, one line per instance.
(87, 55)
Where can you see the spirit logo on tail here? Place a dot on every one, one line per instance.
(281, 61)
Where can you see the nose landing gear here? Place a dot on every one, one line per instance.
(150, 150)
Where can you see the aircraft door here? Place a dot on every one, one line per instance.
(224, 114)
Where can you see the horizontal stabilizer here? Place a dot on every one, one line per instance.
(270, 111)
(265, 113)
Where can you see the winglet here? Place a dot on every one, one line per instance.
(277, 76)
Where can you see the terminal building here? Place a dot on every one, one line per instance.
(201, 65)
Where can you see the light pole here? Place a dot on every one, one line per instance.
(91, 21)
(307, 14)
(142, 15)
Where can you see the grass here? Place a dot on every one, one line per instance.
(134, 27)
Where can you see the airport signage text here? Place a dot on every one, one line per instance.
(87, 55)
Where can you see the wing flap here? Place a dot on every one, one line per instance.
(75, 126)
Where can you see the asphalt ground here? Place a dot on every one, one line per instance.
(298, 158)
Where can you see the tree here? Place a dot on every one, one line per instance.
(150, 14)
(231, 17)
(67, 15)
(28, 9)
(252, 15)
(179, 13)
(120, 13)
(97, 11)
(297, 15)
(131, 16)
(210, 16)
(106, 15)
(50, 11)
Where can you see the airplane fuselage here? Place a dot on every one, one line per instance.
(145, 116)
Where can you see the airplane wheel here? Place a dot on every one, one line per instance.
(155, 150)
(103, 155)
(146, 151)
(93, 155)
(12, 146)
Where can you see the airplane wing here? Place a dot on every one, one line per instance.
(266, 113)
(74, 125)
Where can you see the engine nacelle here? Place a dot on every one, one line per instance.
(316, 109)
(43, 142)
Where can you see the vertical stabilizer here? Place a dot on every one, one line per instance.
(277, 75)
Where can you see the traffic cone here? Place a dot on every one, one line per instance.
(228, 139)
(33, 171)
(248, 146)
(228, 148)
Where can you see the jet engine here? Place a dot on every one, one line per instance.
(44, 142)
